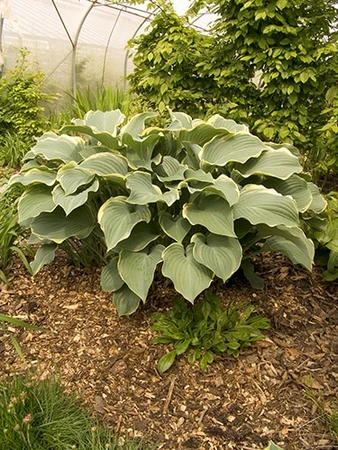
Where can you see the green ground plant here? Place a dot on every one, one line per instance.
(4, 319)
(206, 329)
(37, 415)
(11, 233)
(328, 412)
(200, 198)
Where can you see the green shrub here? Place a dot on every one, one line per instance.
(38, 415)
(327, 154)
(21, 97)
(201, 197)
(327, 239)
(205, 330)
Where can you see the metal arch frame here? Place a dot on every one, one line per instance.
(122, 8)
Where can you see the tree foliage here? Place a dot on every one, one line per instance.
(289, 46)
(166, 66)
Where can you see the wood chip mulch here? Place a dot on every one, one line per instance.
(241, 403)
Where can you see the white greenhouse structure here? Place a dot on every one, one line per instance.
(75, 42)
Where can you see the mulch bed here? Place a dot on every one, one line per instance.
(241, 403)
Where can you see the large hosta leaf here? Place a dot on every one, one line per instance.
(135, 126)
(190, 278)
(106, 164)
(70, 202)
(275, 163)
(110, 278)
(54, 147)
(218, 121)
(125, 301)
(238, 148)
(34, 176)
(170, 170)
(318, 203)
(200, 134)
(34, 201)
(193, 158)
(58, 227)
(180, 120)
(294, 186)
(257, 204)
(104, 121)
(44, 255)
(143, 146)
(291, 242)
(220, 254)
(71, 177)
(175, 227)
(212, 212)
(117, 219)
(137, 269)
(142, 191)
(100, 125)
(141, 236)
(224, 187)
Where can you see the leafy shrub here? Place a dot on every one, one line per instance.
(166, 70)
(201, 197)
(327, 155)
(37, 415)
(205, 330)
(21, 97)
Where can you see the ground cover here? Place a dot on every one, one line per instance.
(236, 404)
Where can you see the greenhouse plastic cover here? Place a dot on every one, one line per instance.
(52, 32)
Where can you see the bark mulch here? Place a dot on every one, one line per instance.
(241, 403)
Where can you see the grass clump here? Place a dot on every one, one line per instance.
(39, 415)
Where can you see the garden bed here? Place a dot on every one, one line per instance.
(236, 404)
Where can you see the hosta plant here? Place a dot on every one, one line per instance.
(206, 329)
(194, 200)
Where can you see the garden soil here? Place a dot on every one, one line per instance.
(110, 361)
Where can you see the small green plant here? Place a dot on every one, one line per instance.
(4, 319)
(328, 412)
(196, 200)
(36, 414)
(206, 329)
(11, 233)
(13, 148)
